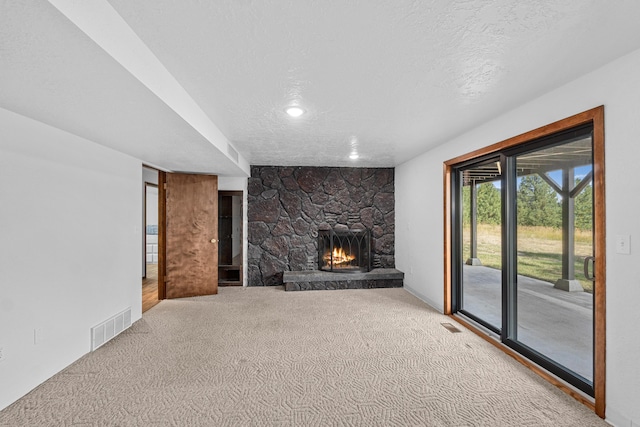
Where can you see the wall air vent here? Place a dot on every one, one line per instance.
(232, 153)
(111, 327)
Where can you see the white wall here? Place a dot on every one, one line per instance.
(75, 207)
(149, 175)
(419, 210)
(228, 183)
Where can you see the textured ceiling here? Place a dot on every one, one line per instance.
(388, 78)
(53, 72)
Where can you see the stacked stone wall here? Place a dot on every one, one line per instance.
(288, 205)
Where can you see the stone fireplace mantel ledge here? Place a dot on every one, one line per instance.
(317, 279)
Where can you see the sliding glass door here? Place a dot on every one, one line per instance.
(481, 258)
(522, 250)
(554, 205)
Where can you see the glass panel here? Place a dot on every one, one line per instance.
(482, 243)
(554, 235)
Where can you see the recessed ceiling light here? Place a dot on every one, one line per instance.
(353, 156)
(294, 111)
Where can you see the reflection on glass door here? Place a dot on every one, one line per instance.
(481, 259)
(554, 236)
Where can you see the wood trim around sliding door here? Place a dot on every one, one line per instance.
(448, 292)
(596, 117)
(599, 248)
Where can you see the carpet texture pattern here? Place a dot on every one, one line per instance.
(265, 357)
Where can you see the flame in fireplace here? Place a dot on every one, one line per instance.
(339, 257)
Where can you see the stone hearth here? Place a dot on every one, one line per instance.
(319, 280)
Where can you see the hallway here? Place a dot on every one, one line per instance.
(150, 288)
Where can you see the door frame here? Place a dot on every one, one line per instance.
(594, 116)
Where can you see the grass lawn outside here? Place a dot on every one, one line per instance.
(539, 251)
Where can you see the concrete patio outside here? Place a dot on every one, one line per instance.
(553, 322)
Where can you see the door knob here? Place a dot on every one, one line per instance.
(213, 240)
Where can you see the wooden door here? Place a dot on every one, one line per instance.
(191, 239)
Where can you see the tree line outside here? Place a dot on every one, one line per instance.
(538, 204)
(539, 218)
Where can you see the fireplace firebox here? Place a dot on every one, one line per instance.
(344, 251)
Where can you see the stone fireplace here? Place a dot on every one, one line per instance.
(290, 207)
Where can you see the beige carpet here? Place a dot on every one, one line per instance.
(263, 357)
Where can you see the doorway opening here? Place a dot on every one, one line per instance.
(230, 235)
(524, 235)
(150, 239)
